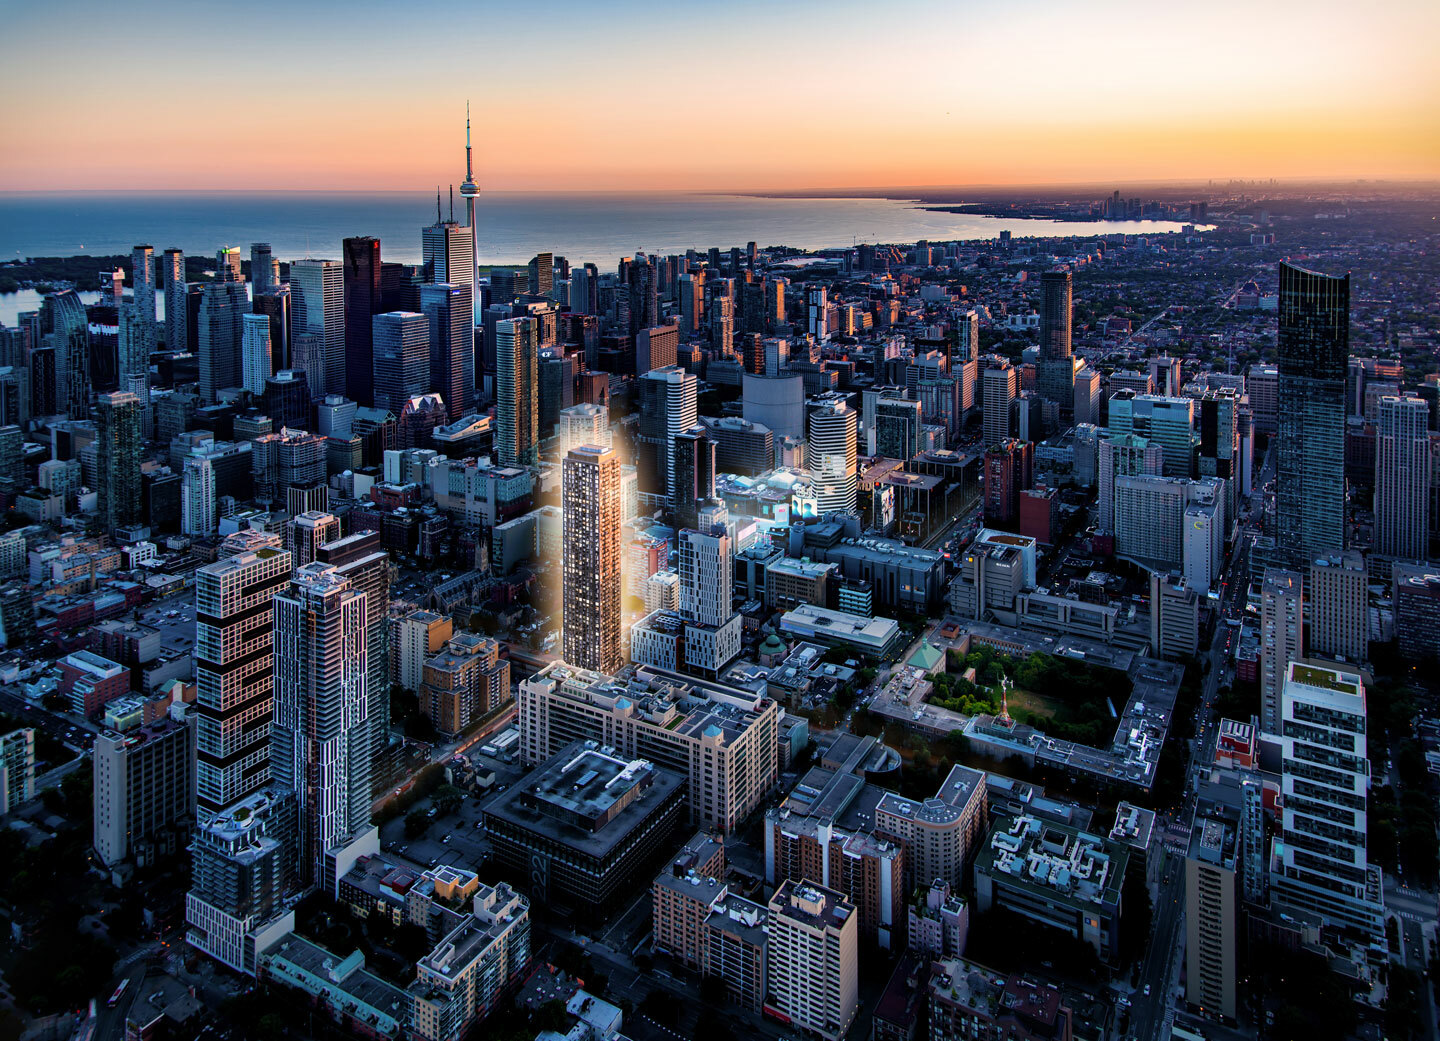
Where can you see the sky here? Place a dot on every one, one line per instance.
(742, 95)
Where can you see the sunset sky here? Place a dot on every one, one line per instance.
(740, 95)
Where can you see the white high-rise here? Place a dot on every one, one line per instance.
(198, 504)
(713, 629)
(1402, 478)
(813, 957)
(584, 424)
(317, 307)
(1322, 874)
(320, 736)
(831, 450)
(668, 408)
(999, 385)
(255, 352)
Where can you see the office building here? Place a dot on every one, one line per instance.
(722, 741)
(1087, 396)
(220, 336)
(1212, 937)
(1339, 615)
(517, 416)
(1417, 611)
(1402, 478)
(1000, 382)
(813, 959)
(119, 449)
(400, 342)
(1057, 876)
(830, 452)
(361, 275)
(234, 667)
(591, 559)
(274, 304)
(585, 825)
(317, 308)
(17, 769)
(1282, 638)
(452, 346)
(254, 352)
(682, 896)
(897, 428)
(1125, 455)
(1319, 871)
(144, 790)
(172, 267)
(1167, 422)
(320, 740)
(1313, 348)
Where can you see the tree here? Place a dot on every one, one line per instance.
(416, 823)
(447, 799)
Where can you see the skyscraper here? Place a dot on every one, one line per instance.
(228, 266)
(517, 407)
(1313, 347)
(176, 320)
(1402, 478)
(223, 306)
(830, 450)
(401, 342)
(118, 452)
(263, 276)
(317, 306)
(361, 259)
(542, 274)
(234, 667)
(255, 352)
(1337, 596)
(1057, 371)
(452, 346)
(694, 477)
(142, 282)
(813, 956)
(590, 550)
(320, 736)
(668, 408)
(274, 303)
(1000, 383)
(1282, 638)
(448, 249)
(707, 572)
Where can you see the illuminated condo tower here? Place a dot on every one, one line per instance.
(591, 559)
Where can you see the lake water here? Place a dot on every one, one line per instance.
(513, 226)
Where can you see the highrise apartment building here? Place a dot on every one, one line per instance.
(362, 562)
(814, 958)
(320, 737)
(142, 283)
(1321, 873)
(668, 408)
(234, 667)
(1056, 369)
(220, 333)
(1282, 638)
(517, 406)
(1000, 382)
(177, 319)
(119, 447)
(144, 789)
(1339, 615)
(832, 428)
(255, 366)
(1212, 896)
(1313, 349)
(591, 559)
(1402, 478)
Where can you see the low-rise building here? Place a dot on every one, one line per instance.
(969, 1002)
(878, 637)
(464, 683)
(1060, 877)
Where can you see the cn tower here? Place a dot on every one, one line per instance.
(470, 191)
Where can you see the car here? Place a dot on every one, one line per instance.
(1147, 990)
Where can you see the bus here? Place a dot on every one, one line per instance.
(119, 993)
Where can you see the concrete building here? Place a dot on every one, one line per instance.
(1212, 938)
(1402, 478)
(144, 790)
(1319, 871)
(814, 961)
(832, 428)
(969, 1002)
(1282, 639)
(1000, 382)
(419, 635)
(463, 979)
(1338, 599)
(1417, 610)
(583, 824)
(464, 683)
(1058, 876)
(17, 769)
(722, 741)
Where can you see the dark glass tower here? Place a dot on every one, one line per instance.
(362, 303)
(1057, 371)
(1313, 349)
